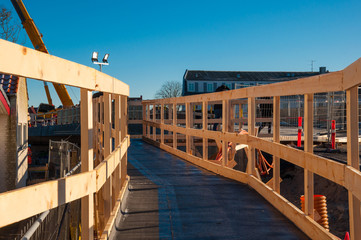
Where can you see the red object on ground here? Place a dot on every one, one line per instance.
(333, 134)
(347, 236)
(299, 132)
(29, 156)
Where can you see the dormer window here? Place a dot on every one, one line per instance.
(190, 87)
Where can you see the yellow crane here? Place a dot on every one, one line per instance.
(37, 41)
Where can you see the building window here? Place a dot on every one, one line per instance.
(229, 85)
(209, 87)
(190, 87)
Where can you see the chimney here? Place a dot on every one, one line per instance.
(322, 70)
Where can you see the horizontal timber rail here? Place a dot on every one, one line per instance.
(168, 123)
(104, 144)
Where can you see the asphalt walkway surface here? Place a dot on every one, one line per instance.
(170, 198)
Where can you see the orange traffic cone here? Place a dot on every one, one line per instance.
(347, 236)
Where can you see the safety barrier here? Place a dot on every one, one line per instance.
(165, 132)
(107, 178)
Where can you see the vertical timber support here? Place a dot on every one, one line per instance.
(124, 133)
(144, 109)
(251, 131)
(174, 125)
(107, 193)
(162, 123)
(87, 202)
(154, 120)
(353, 158)
(308, 146)
(117, 172)
(205, 128)
(276, 139)
(225, 121)
(148, 119)
(188, 138)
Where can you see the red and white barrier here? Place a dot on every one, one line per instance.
(299, 132)
(333, 134)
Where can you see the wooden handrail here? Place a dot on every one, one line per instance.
(108, 178)
(347, 176)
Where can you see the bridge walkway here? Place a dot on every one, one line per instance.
(170, 198)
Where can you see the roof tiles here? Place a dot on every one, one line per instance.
(9, 83)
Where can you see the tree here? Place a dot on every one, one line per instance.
(9, 28)
(169, 89)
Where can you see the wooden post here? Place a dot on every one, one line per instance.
(308, 144)
(154, 120)
(225, 121)
(148, 118)
(353, 158)
(251, 165)
(144, 108)
(162, 122)
(276, 138)
(188, 138)
(87, 203)
(231, 117)
(107, 193)
(124, 133)
(174, 125)
(205, 128)
(117, 173)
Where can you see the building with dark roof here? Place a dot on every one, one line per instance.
(199, 81)
(13, 132)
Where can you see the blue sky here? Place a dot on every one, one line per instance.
(151, 42)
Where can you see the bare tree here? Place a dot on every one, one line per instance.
(169, 89)
(9, 28)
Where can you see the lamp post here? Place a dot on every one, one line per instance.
(104, 61)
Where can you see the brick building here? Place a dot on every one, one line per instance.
(13, 132)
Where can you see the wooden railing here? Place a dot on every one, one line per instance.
(103, 179)
(348, 176)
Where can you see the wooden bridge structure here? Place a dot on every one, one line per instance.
(104, 143)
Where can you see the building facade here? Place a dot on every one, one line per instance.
(13, 133)
(198, 81)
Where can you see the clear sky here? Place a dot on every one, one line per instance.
(151, 42)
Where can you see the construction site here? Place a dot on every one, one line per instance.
(278, 160)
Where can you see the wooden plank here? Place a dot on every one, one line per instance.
(154, 120)
(116, 180)
(188, 138)
(308, 146)
(205, 128)
(251, 131)
(174, 125)
(305, 223)
(276, 138)
(86, 139)
(106, 168)
(353, 158)
(124, 134)
(107, 193)
(47, 195)
(144, 118)
(162, 122)
(43, 66)
(225, 121)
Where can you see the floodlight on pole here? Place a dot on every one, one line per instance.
(95, 60)
(105, 59)
(95, 57)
